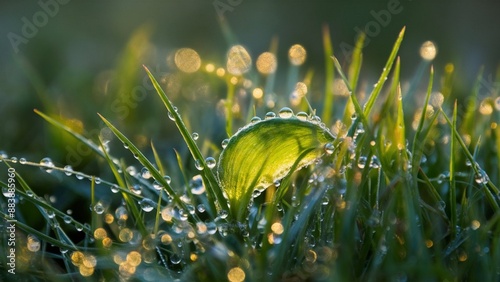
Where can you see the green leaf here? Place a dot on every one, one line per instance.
(264, 152)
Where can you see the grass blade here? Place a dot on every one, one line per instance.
(212, 185)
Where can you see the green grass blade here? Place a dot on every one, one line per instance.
(490, 189)
(329, 76)
(453, 188)
(81, 138)
(378, 87)
(417, 154)
(212, 185)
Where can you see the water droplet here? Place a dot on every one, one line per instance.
(223, 214)
(362, 162)
(224, 143)
(481, 177)
(468, 162)
(201, 208)
(285, 112)
(255, 119)
(145, 173)
(195, 136)
(6, 193)
(171, 116)
(210, 162)
(51, 214)
(79, 176)
(114, 188)
(68, 170)
(270, 115)
(125, 145)
(147, 204)
(196, 184)
(302, 116)
(329, 148)
(13, 160)
(168, 179)
(33, 243)
(136, 189)
(97, 180)
(67, 219)
(30, 193)
(3, 155)
(131, 170)
(354, 116)
(175, 259)
(99, 208)
(47, 164)
(157, 185)
(22, 161)
(199, 165)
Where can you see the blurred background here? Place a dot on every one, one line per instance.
(72, 59)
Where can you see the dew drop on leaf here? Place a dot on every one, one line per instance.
(270, 115)
(302, 116)
(195, 136)
(22, 161)
(285, 112)
(47, 165)
(196, 185)
(199, 165)
(145, 173)
(114, 188)
(147, 204)
(210, 161)
(224, 143)
(99, 208)
(329, 148)
(255, 119)
(68, 170)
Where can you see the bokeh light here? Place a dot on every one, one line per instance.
(267, 63)
(428, 51)
(297, 55)
(187, 60)
(236, 274)
(238, 60)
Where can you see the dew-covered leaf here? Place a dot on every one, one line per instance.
(265, 151)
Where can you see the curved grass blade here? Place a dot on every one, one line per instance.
(78, 136)
(264, 152)
(212, 186)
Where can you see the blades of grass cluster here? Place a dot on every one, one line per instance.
(146, 163)
(490, 189)
(329, 76)
(81, 138)
(417, 154)
(131, 204)
(453, 196)
(212, 185)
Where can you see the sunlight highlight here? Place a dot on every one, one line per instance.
(238, 60)
(267, 63)
(187, 60)
(428, 51)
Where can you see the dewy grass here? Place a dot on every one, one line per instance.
(387, 192)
